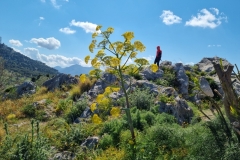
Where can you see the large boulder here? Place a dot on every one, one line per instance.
(151, 86)
(26, 88)
(205, 87)
(180, 110)
(182, 79)
(147, 74)
(58, 81)
(90, 142)
(206, 65)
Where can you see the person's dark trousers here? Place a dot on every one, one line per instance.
(157, 60)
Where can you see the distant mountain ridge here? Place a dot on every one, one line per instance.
(19, 63)
(74, 69)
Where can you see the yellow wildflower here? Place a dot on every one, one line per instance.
(87, 59)
(108, 90)
(115, 62)
(91, 47)
(115, 89)
(133, 54)
(128, 36)
(99, 98)
(100, 53)
(139, 46)
(110, 30)
(94, 60)
(154, 68)
(96, 119)
(83, 78)
(92, 73)
(95, 34)
(123, 53)
(97, 65)
(119, 47)
(115, 111)
(93, 107)
(141, 61)
(98, 27)
(11, 116)
(104, 102)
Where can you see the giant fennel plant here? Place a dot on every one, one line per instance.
(113, 57)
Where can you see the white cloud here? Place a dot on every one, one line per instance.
(67, 0)
(53, 60)
(206, 19)
(87, 26)
(67, 30)
(49, 43)
(169, 18)
(214, 45)
(16, 43)
(17, 50)
(40, 20)
(55, 5)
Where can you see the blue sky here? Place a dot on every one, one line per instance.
(58, 32)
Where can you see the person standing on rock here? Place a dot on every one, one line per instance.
(158, 56)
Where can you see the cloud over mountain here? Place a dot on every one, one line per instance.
(53, 60)
(16, 43)
(49, 43)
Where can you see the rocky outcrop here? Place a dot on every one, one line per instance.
(58, 81)
(147, 74)
(182, 79)
(205, 87)
(26, 88)
(206, 65)
(180, 110)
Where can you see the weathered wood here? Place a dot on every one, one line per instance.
(230, 97)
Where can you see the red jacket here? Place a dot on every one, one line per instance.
(159, 52)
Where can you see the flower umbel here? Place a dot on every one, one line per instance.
(86, 59)
(154, 68)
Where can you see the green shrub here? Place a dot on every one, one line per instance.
(75, 111)
(114, 128)
(142, 99)
(166, 99)
(165, 118)
(29, 110)
(106, 141)
(26, 147)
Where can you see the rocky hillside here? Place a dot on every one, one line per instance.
(175, 114)
(17, 62)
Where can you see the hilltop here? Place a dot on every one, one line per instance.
(23, 65)
(175, 112)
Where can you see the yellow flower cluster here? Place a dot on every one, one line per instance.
(96, 119)
(11, 116)
(83, 78)
(100, 53)
(95, 34)
(98, 27)
(110, 30)
(141, 61)
(133, 55)
(91, 47)
(154, 68)
(93, 107)
(115, 111)
(139, 46)
(115, 62)
(86, 59)
(128, 36)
